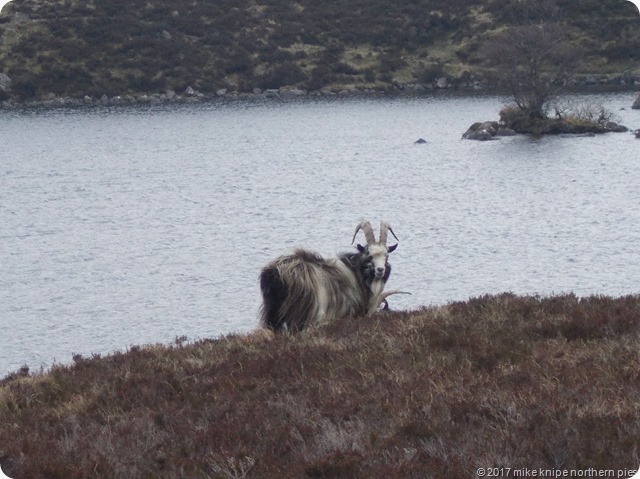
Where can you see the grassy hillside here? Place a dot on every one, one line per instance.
(75, 48)
(497, 381)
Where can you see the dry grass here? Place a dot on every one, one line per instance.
(494, 381)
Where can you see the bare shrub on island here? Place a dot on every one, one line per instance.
(535, 62)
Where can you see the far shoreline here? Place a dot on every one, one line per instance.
(586, 85)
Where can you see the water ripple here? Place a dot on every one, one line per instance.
(142, 225)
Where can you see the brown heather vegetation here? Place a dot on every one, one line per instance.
(72, 48)
(435, 393)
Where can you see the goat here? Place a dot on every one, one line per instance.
(304, 288)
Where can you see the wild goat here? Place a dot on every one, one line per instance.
(304, 288)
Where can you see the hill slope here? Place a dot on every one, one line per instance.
(74, 48)
(497, 381)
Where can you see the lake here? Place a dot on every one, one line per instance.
(137, 225)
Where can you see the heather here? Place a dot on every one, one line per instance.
(115, 48)
(499, 380)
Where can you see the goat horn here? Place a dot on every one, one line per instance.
(383, 296)
(368, 232)
(384, 227)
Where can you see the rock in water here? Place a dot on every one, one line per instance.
(481, 131)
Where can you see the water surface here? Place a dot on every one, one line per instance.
(137, 225)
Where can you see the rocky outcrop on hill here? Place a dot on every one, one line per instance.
(5, 82)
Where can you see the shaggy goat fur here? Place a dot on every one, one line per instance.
(304, 288)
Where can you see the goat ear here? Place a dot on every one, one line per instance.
(392, 248)
(360, 248)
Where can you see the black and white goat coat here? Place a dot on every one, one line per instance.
(305, 288)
